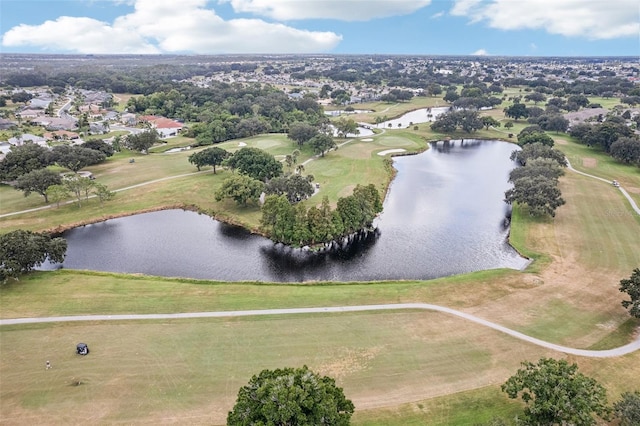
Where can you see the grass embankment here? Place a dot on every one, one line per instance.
(398, 367)
(338, 173)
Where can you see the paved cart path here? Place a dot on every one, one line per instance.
(622, 350)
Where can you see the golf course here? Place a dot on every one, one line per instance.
(400, 365)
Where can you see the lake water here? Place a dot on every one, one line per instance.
(444, 215)
(423, 115)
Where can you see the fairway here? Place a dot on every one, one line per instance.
(193, 368)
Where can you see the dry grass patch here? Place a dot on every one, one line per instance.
(192, 369)
(589, 162)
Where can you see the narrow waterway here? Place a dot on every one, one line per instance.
(444, 215)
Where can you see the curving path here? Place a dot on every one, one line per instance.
(622, 350)
(634, 206)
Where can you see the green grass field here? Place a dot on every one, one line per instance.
(399, 368)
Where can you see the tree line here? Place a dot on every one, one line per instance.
(535, 183)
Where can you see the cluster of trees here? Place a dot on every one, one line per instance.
(291, 396)
(535, 183)
(466, 120)
(294, 224)
(612, 136)
(28, 157)
(26, 166)
(223, 111)
(21, 251)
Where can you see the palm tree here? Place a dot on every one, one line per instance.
(299, 169)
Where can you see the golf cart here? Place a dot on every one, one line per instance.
(82, 349)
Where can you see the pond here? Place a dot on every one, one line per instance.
(423, 115)
(444, 215)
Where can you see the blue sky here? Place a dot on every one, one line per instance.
(441, 27)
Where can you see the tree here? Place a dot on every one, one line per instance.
(141, 142)
(322, 143)
(57, 193)
(541, 194)
(508, 125)
(631, 286)
(278, 216)
(241, 189)
(626, 150)
(488, 121)
(469, 120)
(557, 394)
(535, 97)
(78, 186)
(21, 251)
(76, 157)
(99, 145)
(255, 163)
(301, 132)
(516, 111)
(102, 192)
(538, 150)
(535, 137)
(209, 157)
(23, 159)
(294, 187)
(537, 167)
(627, 409)
(345, 126)
(38, 181)
(291, 397)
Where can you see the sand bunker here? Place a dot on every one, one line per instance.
(390, 151)
(242, 144)
(367, 140)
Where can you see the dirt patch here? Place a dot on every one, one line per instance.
(589, 162)
(349, 361)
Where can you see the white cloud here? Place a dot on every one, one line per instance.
(480, 52)
(592, 19)
(344, 10)
(82, 35)
(166, 26)
(533, 46)
(437, 15)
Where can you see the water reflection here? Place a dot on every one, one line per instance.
(444, 215)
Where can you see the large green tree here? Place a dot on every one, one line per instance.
(209, 157)
(294, 187)
(255, 163)
(631, 286)
(539, 193)
(241, 189)
(38, 181)
(301, 132)
(76, 157)
(516, 111)
(322, 143)
(21, 251)
(23, 159)
(538, 150)
(557, 394)
(141, 142)
(290, 396)
(537, 167)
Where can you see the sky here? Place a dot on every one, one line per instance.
(412, 27)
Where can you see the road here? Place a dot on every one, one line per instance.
(620, 351)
